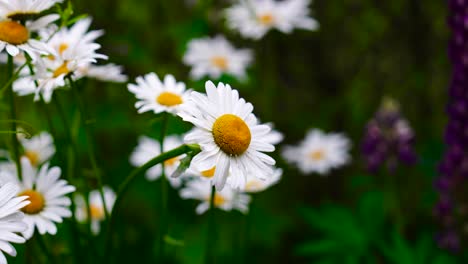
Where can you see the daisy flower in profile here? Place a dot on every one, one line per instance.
(229, 135)
(106, 73)
(39, 148)
(96, 207)
(148, 149)
(255, 185)
(47, 196)
(254, 18)
(11, 219)
(213, 57)
(319, 152)
(156, 95)
(226, 200)
(18, 9)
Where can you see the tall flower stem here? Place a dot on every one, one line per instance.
(211, 230)
(40, 241)
(164, 189)
(14, 138)
(90, 149)
(131, 178)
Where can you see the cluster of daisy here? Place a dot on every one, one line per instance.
(214, 56)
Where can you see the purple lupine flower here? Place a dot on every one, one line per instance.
(388, 139)
(453, 169)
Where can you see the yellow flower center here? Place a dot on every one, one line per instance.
(219, 200)
(231, 134)
(97, 212)
(209, 173)
(37, 202)
(266, 19)
(13, 33)
(169, 99)
(63, 69)
(62, 48)
(33, 157)
(220, 62)
(171, 162)
(253, 185)
(317, 155)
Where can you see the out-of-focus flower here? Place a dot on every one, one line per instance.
(388, 139)
(213, 57)
(227, 199)
(11, 219)
(157, 96)
(255, 185)
(451, 182)
(254, 18)
(319, 152)
(96, 207)
(47, 195)
(39, 148)
(229, 135)
(148, 149)
(106, 73)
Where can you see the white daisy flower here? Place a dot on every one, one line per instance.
(11, 219)
(96, 207)
(213, 57)
(148, 149)
(274, 137)
(39, 148)
(15, 37)
(254, 18)
(229, 135)
(255, 185)
(226, 200)
(157, 96)
(47, 194)
(106, 73)
(319, 152)
(50, 73)
(19, 8)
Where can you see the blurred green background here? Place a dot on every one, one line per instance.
(333, 79)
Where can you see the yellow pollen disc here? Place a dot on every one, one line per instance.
(220, 62)
(266, 19)
(13, 33)
(219, 200)
(33, 157)
(37, 202)
(209, 173)
(231, 134)
(97, 212)
(169, 99)
(171, 162)
(317, 155)
(63, 69)
(62, 48)
(253, 185)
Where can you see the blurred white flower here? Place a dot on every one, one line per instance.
(254, 18)
(213, 57)
(39, 148)
(47, 194)
(319, 152)
(148, 149)
(96, 207)
(229, 135)
(227, 199)
(157, 96)
(11, 219)
(106, 73)
(255, 185)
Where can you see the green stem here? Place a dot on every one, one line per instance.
(40, 241)
(211, 230)
(14, 138)
(131, 178)
(164, 187)
(10, 81)
(91, 154)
